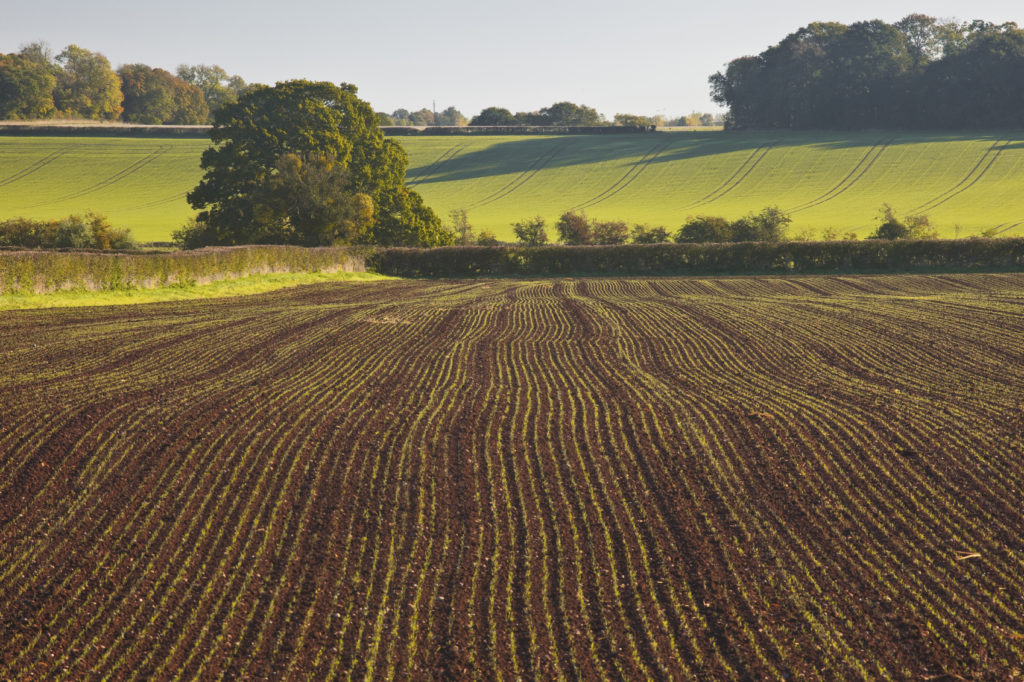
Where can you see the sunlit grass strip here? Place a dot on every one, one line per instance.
(242, 286)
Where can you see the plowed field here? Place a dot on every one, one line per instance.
(750, 478)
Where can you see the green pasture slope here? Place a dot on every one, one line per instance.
(136, 182)
(826, 180)
(966, 182)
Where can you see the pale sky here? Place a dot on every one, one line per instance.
(615, 56)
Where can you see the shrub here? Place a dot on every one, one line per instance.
(531, 232)
(487, 238)
(461, 227)
(574, 228)
(73, 232)
(911, 227)
(642, 234)
(609, 232)
(704, 230)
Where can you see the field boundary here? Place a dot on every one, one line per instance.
(41, 272)
(747, 258)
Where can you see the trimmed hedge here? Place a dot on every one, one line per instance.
(44, 271)
(701, 259)
(515, 130)
(126, 130)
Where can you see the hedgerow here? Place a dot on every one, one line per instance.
(701, 259)
(42, 271)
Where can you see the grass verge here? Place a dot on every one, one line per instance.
(252, 284)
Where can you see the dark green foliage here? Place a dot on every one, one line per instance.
(493, 116)
(917, 72)
(487, 238)
(703, 259)
(633, 120)
(236, 196)
(705, 229)
(569, 114)
(217, 86)
(573, 228)
(90, 231)
(402, 219)
(767, 226)
(531, 232)
(154, 96)
(609, 232)
(644, 234)
(911, 227)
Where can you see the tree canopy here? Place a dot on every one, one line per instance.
(305, 162)
(493, 116)
(217, 86)
(155, 96)
(26, 88)
(87, 85)
(917, 72)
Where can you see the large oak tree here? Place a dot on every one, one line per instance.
(305, 162)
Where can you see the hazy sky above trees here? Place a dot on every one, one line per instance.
(470, 54)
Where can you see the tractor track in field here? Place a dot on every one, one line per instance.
(862, 167)
(1007, 227)
(436, 165)
(734, 180)
(161, 202)
(521, 179)
(628, 178)
(32, 168)
(969, 180)
(126, 172)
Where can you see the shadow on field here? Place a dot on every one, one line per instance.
(531, 154)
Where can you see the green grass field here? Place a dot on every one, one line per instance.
(838, 181)
(137, 183)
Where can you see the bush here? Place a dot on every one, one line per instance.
(609, 232)
(573, 228)
(911, 227)
(642, 234)
(705, 230)
(531, 232)
(92, 231)
(487, 238)
(767, 226)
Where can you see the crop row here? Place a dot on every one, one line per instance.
(809, 478)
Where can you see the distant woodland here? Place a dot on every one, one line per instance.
(77, 83)
(36, 83)
(918, 72)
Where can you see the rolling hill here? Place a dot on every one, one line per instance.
(828, 181)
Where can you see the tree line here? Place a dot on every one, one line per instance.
(919, 72)
(80, 84)
(558, 114)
